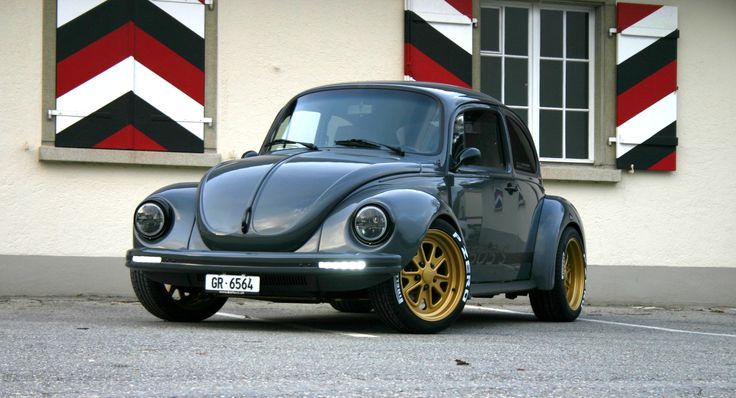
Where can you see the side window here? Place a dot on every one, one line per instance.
(480, 129)
(521, 148)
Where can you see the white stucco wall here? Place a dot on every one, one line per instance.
(687, 217)
(270, 50)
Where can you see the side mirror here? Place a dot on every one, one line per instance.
(249, 154)
(465, 156)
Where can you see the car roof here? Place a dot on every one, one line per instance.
(447, 91)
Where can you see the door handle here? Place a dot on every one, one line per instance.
(511, 188)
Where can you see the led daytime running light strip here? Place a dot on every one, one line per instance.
(343, 265)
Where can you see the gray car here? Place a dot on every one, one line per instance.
(401, 198)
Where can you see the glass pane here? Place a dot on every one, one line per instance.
(551, 33)
(550, 83)
(516, 82)
(577, 85)
(521, 148)
(576, 136)
(577, 35)
(517, 29)
(550, 134)
(489, 29)
(522, 113)
(483, 131)
(490, 76)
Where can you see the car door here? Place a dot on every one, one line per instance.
(527, 193)
(485, 195)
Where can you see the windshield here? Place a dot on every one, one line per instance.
(405, 120)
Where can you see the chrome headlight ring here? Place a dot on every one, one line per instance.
(371, 225)
(152, 219)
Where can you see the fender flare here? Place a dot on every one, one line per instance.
(411, 211)
(557, 214)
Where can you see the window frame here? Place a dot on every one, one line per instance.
(49, 152)
(503, 136)
(526, 137)
(534, 58)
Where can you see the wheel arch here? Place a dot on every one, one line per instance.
(412, 212)
(556, 215)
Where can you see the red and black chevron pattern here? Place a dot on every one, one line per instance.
(438, 41)
(646, 87)
(130, 75)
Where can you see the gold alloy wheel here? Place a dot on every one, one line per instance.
(573, 269)
(433, 281)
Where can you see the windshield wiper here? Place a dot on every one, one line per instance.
(277, 141)
(359, 142)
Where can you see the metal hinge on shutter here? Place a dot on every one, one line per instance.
(51, 113)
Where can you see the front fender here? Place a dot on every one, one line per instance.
(557, 214)
(411, 211)
(181, 199)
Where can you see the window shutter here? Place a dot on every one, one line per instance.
(646, 87)
(130, 75)
(438, 41)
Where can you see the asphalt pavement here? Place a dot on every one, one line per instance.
(113, 347)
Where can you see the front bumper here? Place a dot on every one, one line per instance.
(283, 274)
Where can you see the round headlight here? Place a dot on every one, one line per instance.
(370, 224)
(150, 220)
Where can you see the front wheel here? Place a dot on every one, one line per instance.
(430, 292)
(174, 303)
(565, 301)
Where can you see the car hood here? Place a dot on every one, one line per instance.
(275, 202)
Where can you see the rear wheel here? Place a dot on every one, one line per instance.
(352, 305)
(174, 303)
(431, 291)
(565, 301)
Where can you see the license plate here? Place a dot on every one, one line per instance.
(232, 284)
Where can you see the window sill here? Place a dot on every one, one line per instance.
(580, 173)
(49, 153)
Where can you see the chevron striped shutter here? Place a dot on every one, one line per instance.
(130, 75)
(646, 87)
(438, 41)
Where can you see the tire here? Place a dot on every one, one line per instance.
(430, 292)
(352, 306)
(566, 299)
(172, 303)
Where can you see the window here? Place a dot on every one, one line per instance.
(398, 118)
(480, 129)
(538, 60)
(521, 148)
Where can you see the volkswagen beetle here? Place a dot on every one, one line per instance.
(401, 198)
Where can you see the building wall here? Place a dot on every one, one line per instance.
(268, 51)
(686, 217)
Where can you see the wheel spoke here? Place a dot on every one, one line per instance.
(427, 299)
(418, 257)
(439, 261)
(430, 294)
(424, 255)
(412, 285)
